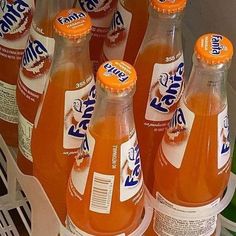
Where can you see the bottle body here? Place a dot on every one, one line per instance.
(17, 16)
(65, 108)
(101, 13)
(126, 32)
(106, 180)
(192, 165)
(160, 67)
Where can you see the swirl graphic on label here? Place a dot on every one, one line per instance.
(117, 33)
(36, 60)
(16, 18)
(97, 8)
(177, 131)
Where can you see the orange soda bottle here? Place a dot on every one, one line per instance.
(65, 108)
(101, 12)
(34, 71)
(15, 17)
(160, 67)
(192, 165)
(127, 30)
(105, 190)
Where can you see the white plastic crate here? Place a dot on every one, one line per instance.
(42, 220)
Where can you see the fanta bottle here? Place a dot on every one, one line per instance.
(101, 12)
(105, 190)
(34, 71)
(230, 211)
(65, 108)
(126, 31)
(192, 165)
(160, 69)
(15, 17)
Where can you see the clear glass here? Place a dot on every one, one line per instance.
(71, 73)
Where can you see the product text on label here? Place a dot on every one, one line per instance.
(173, 85)
(72, 17)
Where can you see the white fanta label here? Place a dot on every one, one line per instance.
(36, 61)
(115, 43)
(131, 172)
(223, 139)
(178, 134)
(165, 91)
(169, 224)
(79, 106)
(80, 170)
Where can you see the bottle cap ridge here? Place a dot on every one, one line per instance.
(168, 6)
(116, 75)
(72, 23)
(213, 49)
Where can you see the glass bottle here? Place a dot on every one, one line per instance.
(192, 165)
(160, 69)
(65, 108)
(106, 183)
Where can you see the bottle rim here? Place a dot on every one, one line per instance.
(168, 6)
(72, 23)
(213, 49)
(116, 76)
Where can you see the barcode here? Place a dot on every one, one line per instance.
(101, 195)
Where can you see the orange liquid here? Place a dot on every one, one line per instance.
(198, 181)
(28, 108)
(138, 27)
(149, 137)
(50, 165)
(124, 217)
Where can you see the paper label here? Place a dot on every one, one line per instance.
(16, 17)
(80, 170)
(79, 106)
(166, 89)
(24, 137)
(116, 40)
(176, 137)
(166, 224)
(223, 138)
(36, 61)
(131, 178)
(8, 106)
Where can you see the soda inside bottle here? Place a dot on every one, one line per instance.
(65, 108)
(160, 69)
(34, 71)
(192, 165)
(105, 190)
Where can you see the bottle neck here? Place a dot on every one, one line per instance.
(44, 14)
(208, 84)
(114, 113)
(73, 55)
(165, 30)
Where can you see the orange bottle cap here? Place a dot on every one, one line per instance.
(168, 6)
(72, 23)
(116, 75)
(213, 49)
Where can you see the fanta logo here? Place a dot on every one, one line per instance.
(224, 135)
(169, 90)
(112, 70)
(72, 17)
(117, 31)
(85, 110)
(15, 20)
(97, 8)
(35, 60)
(134, 166)
(177, 130)
(216, 45)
